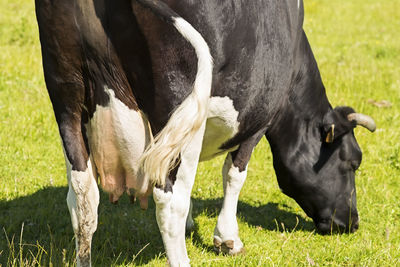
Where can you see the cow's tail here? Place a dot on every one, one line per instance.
(163, 153)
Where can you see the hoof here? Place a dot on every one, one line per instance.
(227, 247)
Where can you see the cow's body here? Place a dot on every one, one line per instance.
(116, 72)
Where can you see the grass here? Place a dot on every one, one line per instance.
(356, 44)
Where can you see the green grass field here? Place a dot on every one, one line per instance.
(357, 46)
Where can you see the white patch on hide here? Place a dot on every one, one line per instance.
(117, 138)
(222, 125)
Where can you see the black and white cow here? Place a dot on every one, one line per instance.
(204, 78)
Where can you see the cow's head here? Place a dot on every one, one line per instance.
(316, 166)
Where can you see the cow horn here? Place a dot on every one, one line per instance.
(363, 120)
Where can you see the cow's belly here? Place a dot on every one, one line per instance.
(222, 125)
(117, 138)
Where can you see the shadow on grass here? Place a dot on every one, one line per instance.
(269, 217)
(123, 230)
(265, 216)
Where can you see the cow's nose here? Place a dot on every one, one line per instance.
(328, 226)
(324, 227)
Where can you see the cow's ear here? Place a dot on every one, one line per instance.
(330, 134)
(335, 123)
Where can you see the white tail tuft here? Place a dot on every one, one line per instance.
(163, 153)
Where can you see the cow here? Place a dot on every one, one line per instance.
(142, 90)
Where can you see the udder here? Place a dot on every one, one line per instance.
(117, 138)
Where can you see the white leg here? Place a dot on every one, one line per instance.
(82, 201)
(226, 233)
(172, 207)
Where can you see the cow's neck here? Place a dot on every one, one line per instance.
(299, 118)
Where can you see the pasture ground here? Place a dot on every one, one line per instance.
(357, 46)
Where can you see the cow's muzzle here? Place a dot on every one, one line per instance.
(329, 226)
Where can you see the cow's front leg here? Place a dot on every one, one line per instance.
(226, 233)
(173, 203)
(234, 172)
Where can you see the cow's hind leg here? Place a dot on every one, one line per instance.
(62, 58)
(83, 193)
(173, 202)
(234, 172)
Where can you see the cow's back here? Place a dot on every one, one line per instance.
(254, 45)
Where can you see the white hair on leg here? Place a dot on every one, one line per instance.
(226, 233)
(172, 208)
(83, 200)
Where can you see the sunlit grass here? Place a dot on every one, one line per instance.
(356, 44)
